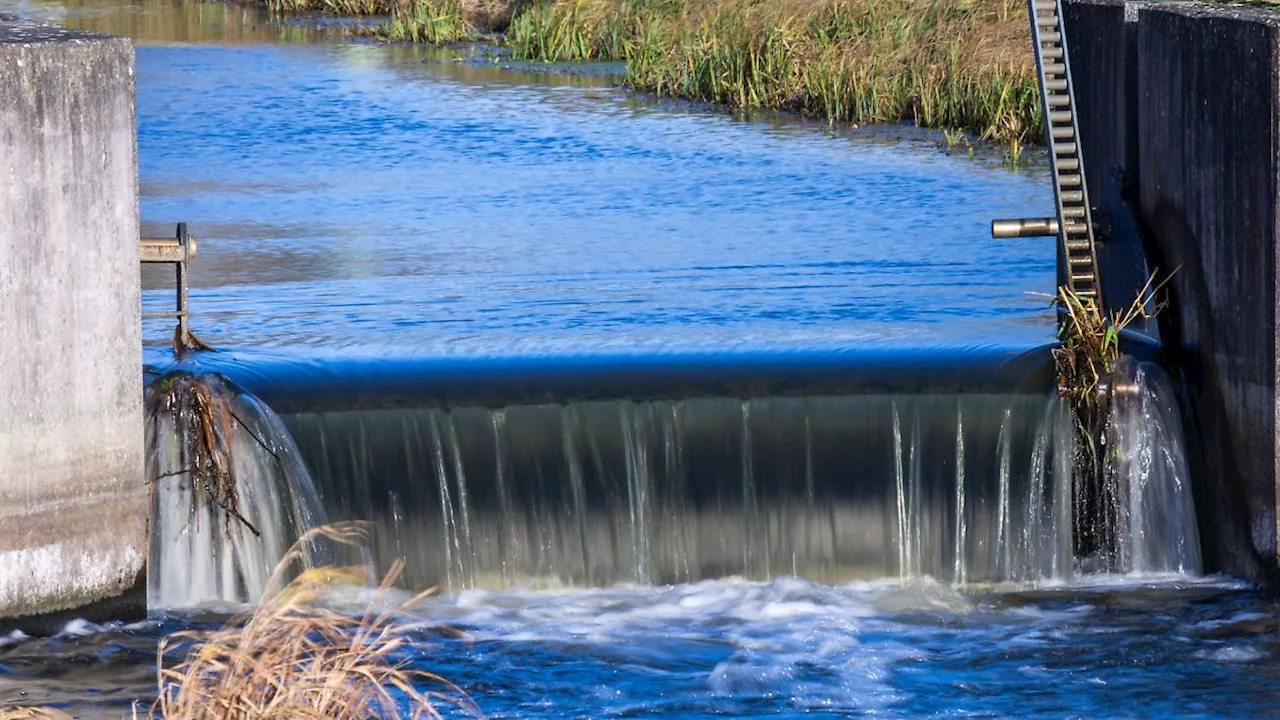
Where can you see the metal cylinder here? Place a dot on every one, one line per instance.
(1025, 227)
(164, 250)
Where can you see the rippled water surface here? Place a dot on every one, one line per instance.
(348, 195)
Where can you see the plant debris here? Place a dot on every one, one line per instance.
(292, 658)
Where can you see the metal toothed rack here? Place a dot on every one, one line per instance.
(1074, 223)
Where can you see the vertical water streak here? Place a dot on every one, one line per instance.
(959, 574)
(751, 551)
(636, 447)
(450, 540)
(677, 510)
(915, 506)
(1004, 545)
(904, 531)
(508, 542)
(570, 426)
(808, 456)
(1060, 542)
(466, 552)
(1030, 565)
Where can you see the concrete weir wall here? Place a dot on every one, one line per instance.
(1179, 105)
(73, 502)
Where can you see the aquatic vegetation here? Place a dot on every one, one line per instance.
(1090, 339)
(292, 657)
(333, 7)
(938, 63)
(435, 22)
(1088, 364)
(576, 30)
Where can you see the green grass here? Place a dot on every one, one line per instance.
(953, 64)
(434, 22)
(573, 30)
(332, 7)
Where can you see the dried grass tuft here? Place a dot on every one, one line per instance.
(293, 658)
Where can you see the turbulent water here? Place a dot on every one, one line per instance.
(1122, 647)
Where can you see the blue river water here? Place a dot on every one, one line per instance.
(388, 199)
(352, 199)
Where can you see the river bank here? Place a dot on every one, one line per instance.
(959, 66)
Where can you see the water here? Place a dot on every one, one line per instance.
(969, 488)
(361, 199)
(1129, 647)
(790, 537)
(219, 548)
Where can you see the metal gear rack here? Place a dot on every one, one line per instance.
(1074, 222)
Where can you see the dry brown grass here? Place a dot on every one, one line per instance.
(291, 657)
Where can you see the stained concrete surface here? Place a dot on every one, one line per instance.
(73, 501)
(1177, 105)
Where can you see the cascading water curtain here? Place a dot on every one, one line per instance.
(229, 493)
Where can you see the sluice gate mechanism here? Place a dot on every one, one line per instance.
(176, 251)
(1074, 224)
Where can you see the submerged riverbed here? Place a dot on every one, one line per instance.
(362, 200)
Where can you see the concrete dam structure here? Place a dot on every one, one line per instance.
(1178, 112)
(1179, 107)
(73, 499)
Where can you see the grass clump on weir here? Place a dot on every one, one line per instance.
(941, 63)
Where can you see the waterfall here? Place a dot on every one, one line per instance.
(969, 488)
(200, 552)
(1149, 473)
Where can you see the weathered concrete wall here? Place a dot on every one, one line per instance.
(1182, 100)
(73, 503)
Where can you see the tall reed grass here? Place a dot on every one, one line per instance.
(963, 64)
(953, 64)
(434, 22)
(352, 8)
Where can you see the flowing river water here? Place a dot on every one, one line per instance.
(381, 217)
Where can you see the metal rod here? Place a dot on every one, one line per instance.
(184, 240)
(164, 250)
(1024, 227)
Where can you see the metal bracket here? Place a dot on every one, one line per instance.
(178, 252)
